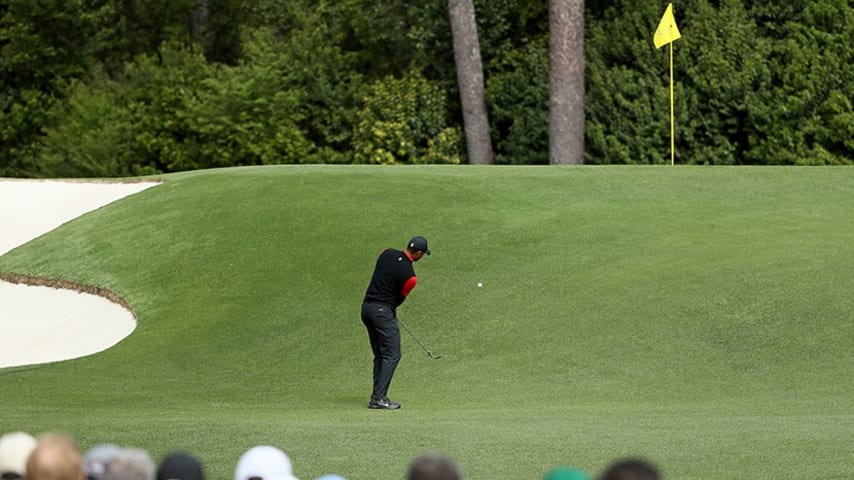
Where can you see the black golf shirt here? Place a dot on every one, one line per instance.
(393, 278)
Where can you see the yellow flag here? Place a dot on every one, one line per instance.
(667, 30)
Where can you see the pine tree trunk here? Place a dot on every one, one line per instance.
(566, 82)
(470, 81)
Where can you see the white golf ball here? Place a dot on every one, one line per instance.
(479, 285)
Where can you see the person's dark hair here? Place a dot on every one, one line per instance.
(631, 469)
(434, 466)
(180, 466)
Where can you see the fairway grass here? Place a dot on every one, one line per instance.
(699, 317)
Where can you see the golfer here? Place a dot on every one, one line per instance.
(391, 283)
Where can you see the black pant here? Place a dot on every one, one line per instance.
(381, 322)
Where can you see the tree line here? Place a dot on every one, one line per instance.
(126, 87)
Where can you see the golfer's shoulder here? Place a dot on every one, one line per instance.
(392, 259)
(397, 260)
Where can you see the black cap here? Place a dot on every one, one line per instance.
(180, 466)
(419, 244)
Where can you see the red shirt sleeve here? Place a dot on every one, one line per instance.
(408, 286)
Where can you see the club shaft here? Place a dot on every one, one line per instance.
(416, 339)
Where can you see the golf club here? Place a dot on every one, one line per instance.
(434, 357)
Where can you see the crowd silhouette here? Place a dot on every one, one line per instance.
(57, 457)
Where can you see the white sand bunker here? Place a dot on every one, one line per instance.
(42, 324)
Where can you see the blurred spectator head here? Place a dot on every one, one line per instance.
(180, 466)
(131, 464)
(631, 469)
(15, 449)
(434, 466)
(264, 463)
(97, 460)
(56, 457)
(566, 473)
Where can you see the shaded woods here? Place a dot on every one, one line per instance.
(121, 87)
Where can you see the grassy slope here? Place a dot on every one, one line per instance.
(697, 316)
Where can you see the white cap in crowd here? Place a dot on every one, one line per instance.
(15, 449)
(264, 463)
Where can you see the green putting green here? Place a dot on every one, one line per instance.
(698, 317)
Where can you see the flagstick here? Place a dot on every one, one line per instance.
(672, 122)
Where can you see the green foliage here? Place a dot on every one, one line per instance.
(223, 39)
(517, 99)
(331, 87)
(43, 48)
(21, 118)
(505, 26)
(626, 88)
(626, 125)
(724, 71)
(120, 87)
(176, 112)
(513, 37)
(403, 121)
(755, 84)
(136, 125)
(43, 44)
(236, 121)
(92, 139)
(392, 36)
(805, 119)
(447, 146)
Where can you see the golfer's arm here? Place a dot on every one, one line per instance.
(408, 286)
